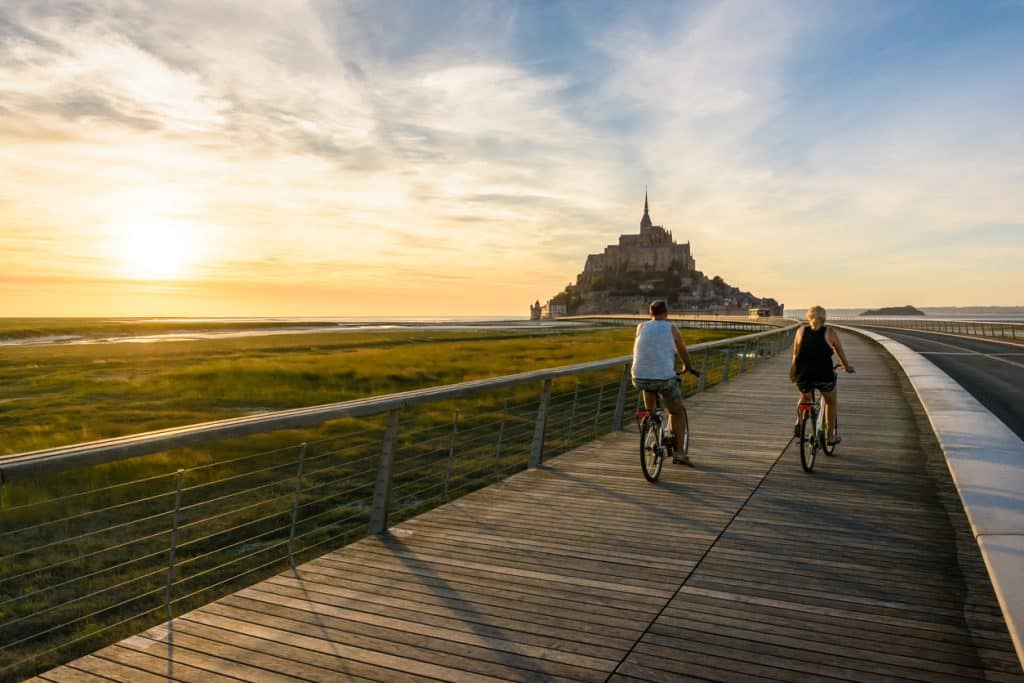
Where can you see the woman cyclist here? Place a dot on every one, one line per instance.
(812, 366)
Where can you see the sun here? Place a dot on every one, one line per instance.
(155, 249)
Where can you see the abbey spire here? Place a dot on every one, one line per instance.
(645, 222)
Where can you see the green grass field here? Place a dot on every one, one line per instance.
(54, 395)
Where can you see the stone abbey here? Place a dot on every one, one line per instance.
(641, 267)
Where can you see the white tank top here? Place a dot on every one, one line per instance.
(654, 351)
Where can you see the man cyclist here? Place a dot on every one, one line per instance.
(654, 370)
(811, 367)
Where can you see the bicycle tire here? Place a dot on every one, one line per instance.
(651, 457)
(822, 428)
(830, 449)
(807, 444)
(686, 432)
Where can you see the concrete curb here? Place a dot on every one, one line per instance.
(986, 462)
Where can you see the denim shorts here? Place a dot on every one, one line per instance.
(671, 389)
(820, 385)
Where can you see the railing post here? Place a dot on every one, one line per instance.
(451, 453)
(382, 489)
(620, 400)
(572, 414)
(537, 447)
(703, 372)
(295, 504)
(725, 365)
(597, 413)
(174, 549)
(501, 437)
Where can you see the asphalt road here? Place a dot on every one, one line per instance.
(993, 372)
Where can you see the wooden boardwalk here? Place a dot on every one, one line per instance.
(742, 568)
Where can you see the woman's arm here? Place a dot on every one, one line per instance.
(833, 340)
(796, 348)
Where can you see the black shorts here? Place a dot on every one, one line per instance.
(820, 385)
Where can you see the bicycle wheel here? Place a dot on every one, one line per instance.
(820, 426)
(650, 450)
(686, 432)
(830, 449)
(808, 447)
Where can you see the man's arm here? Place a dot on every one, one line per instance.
(681, 348)
(833, 340)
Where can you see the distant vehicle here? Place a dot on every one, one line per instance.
(759, 313)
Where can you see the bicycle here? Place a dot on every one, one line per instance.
(813, 430)
(656, 441)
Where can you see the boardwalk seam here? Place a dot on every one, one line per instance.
(699, 562)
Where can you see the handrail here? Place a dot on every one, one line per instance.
(988, 329)
(735, 322)
(50, 460)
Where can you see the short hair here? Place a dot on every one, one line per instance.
(659, 307)
(816, 317)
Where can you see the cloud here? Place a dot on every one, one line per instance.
(361, 142)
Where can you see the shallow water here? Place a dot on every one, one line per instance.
(347, 325)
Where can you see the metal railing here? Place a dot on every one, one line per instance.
(101, 540)
(965, 328)
(706, 322)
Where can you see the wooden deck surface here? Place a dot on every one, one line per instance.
(741, 568)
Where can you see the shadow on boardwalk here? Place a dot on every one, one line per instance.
(742, 567)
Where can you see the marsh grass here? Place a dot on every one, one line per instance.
(85, 554)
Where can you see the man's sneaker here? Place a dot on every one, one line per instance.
(681, 459)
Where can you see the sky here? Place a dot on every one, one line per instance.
(210, 158)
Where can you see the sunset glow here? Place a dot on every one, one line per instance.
(417, 158)
(155, 249)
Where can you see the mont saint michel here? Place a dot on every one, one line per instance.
(645, 266)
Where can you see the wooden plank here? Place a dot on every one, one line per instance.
(507, 664)
(70, 674)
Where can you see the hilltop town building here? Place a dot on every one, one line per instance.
(626, 276)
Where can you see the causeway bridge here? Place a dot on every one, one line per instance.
(502, 530)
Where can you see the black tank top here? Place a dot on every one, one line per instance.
(814, 358)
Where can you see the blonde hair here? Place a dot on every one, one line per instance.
(816, 317)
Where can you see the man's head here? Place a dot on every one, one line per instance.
(659, 309)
